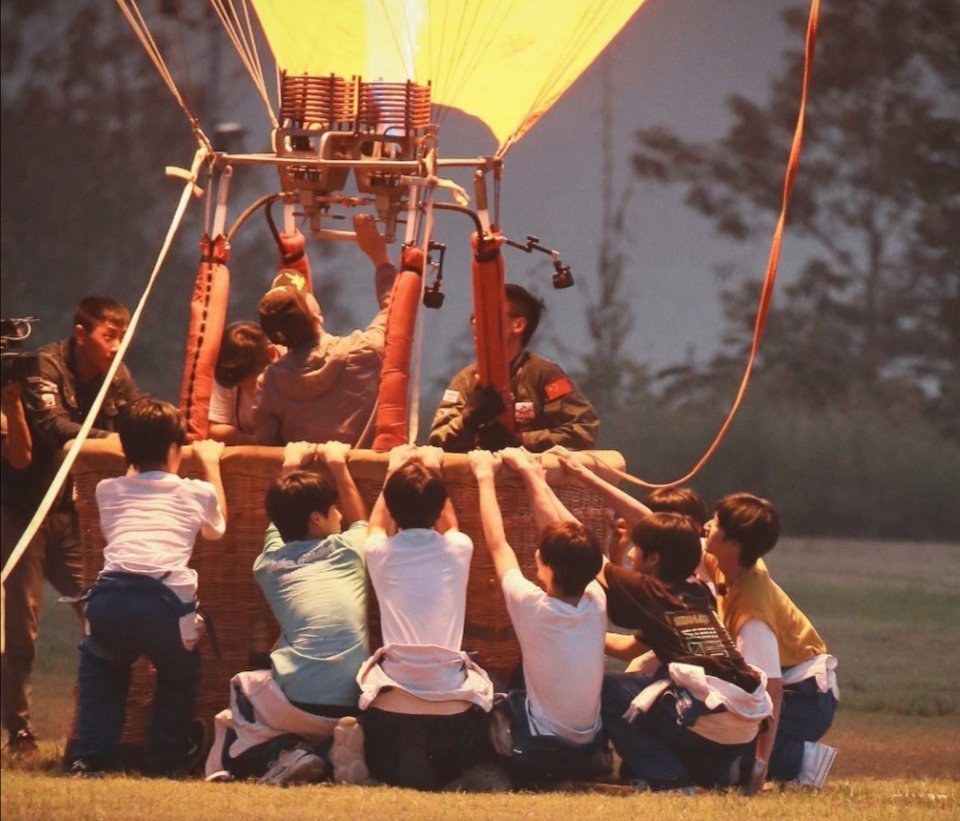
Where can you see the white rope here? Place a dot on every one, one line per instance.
(137, 22)
(246, 47)
(71, 456)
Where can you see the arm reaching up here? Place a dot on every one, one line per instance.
(208, 453)
(351, 503)
(623, 503)
(380, 519)
(547, 507)
(432, 457)
(484, 464)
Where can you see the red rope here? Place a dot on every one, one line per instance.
(773, 260)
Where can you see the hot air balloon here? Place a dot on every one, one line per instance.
(361, 94)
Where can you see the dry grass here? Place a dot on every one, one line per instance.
(35, 795)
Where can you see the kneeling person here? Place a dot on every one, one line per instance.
(690, 714)
(282, 722)
(550, 730)
(425, 701)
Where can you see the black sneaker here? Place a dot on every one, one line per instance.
(23, 742)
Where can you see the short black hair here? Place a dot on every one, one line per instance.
(415, 495)
(292, 498)
(147, 428)
(244, 351)
(521, 303)
(751, 522)
(95, 310)
(675, 539)
(683, 500)
(573, 554)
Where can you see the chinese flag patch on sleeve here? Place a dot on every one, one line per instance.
(558, 387)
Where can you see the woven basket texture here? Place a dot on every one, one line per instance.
(245, 627)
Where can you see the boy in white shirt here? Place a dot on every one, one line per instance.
(144, 601)
(425, 701)
(550, 730)
(245, 352)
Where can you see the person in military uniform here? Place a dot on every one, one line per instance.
(57, 400)
(548, 409)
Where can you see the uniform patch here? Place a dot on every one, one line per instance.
(451, 397)
(523, 412)
(559, 387)
(46, 392)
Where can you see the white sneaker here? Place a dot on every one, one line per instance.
(346, 754)
(296, 766)
(817, 760)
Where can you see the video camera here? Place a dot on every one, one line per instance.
(16, 366)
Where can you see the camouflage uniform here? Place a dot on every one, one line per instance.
(56, 406)
(548, 408)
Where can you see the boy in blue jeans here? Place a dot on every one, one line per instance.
(550, 730)
(144, 601)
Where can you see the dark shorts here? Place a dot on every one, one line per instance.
(540, 760)
(424, 751)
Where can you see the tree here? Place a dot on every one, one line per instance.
(609, 376)
(87, 130)
(874, 311)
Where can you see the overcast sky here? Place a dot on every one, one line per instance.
(674, 64)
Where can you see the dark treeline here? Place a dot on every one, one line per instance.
(852, 421)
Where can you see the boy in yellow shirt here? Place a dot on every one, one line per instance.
(774, 635)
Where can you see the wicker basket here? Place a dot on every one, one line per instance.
(245, 627)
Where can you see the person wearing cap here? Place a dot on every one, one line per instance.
(325, 387)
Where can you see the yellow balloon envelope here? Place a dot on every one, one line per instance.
(503, 61)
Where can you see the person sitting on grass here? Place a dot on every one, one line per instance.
(425, 701)
(550, 730)
(281, 722)
(774, 635)
(144, 601)
(690, 712)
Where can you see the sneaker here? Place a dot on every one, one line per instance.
(22, 742)
(296, 766)
(346, 754)
(815, 767)
(219, 777)
(80, 769)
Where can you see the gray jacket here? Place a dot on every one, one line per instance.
(326, 390)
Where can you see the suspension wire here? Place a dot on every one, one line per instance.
(246, 47)
(137, 22)
(766, 292)
(58, 480)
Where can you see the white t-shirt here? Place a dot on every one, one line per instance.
(758, 644)
(420, 577)
(232, 406)
(150, 522)
(562, 648)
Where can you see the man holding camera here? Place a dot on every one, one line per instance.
(57, 399)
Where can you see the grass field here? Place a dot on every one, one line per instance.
(889, 611)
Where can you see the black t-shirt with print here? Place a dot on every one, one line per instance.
(677, 622)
